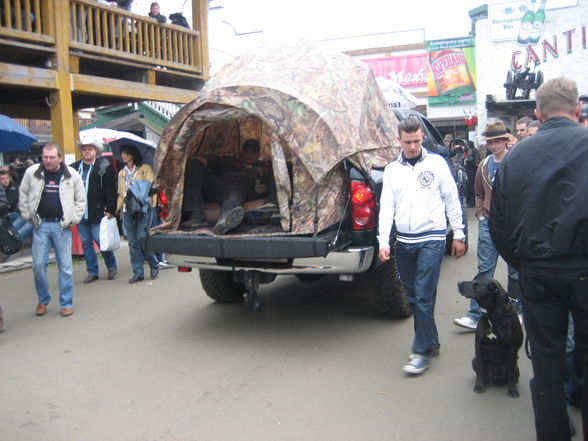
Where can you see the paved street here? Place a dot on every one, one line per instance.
(159, 361)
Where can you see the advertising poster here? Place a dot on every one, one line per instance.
(451, 77)
(409, 71)
(522, 20)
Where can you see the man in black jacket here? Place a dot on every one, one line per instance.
(4, 207)
(100, 184)
(155, 13)
(539, 225)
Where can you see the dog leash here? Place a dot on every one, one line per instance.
(527, 343)
(527, 347)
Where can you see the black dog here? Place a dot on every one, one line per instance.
(178, 19)
(499, 335)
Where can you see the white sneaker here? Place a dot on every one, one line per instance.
(165, 264)
(466, 322)
(416, 365)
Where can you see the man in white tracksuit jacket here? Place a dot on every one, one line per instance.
(418, 195)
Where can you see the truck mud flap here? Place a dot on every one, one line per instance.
(238, 248)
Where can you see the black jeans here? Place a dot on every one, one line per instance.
(231, 189)
(200, 186)
(548, 295)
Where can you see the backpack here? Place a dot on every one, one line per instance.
(10, 241)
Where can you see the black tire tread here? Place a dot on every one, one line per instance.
(220, 286)
(387, 291)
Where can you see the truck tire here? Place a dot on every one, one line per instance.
(387, 291)
(220, 286)
(308, 278)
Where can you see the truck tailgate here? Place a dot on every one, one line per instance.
(255, 247)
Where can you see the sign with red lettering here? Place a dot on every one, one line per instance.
(452, 72)
(408, 70)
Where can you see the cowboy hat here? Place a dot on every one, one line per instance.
(93, 143)
(495, 130)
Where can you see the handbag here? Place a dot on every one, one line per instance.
(109, 236)
(132, 204)
(10, 241)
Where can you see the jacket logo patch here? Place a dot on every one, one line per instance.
(426, 178)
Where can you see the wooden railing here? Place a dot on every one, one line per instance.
(115, 32)
(98, 29)
(25, 20)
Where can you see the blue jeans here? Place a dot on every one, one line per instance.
(487, 258)
(24, 228)
(90, 233)
(50, 235)
(419, 265)
(136, 228)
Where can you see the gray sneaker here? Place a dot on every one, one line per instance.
(229, 220)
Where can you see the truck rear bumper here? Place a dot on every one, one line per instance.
(353, 260)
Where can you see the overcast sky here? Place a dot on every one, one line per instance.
(323, 19)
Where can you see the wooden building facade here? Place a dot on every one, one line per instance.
(60, 56)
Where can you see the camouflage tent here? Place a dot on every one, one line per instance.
(310, 110)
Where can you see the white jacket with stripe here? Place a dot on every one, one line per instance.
(418, 199)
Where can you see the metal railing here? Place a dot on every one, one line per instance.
(98, 29)
(168, 110)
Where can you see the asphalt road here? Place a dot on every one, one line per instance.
(160, 361)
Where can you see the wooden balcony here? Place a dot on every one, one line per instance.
(80, 53)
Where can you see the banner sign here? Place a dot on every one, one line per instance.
(408, 71)
(522, 20)
(451, 78)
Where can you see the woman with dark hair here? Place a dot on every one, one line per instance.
(136, 223)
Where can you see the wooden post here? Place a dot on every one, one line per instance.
(62, 115)
(200, 20)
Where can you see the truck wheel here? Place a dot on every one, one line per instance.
(387, 291)
(308, 278)
(220, 286)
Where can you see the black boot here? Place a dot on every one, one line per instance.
(195, 220)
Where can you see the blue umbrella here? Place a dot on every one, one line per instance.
(13, 136)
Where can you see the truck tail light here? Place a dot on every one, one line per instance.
(184, 269)
(163, 203)
(363, 206)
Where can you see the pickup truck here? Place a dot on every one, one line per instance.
(330, 187)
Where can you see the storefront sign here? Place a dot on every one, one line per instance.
(566, 42)
(408, 71)
(452, 72)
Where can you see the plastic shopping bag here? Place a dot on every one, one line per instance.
(109, 237)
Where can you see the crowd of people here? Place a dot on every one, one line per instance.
(529, 201)
(154, 12)
(531, 210)
(51, 197)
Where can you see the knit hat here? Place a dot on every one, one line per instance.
(448, 137)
